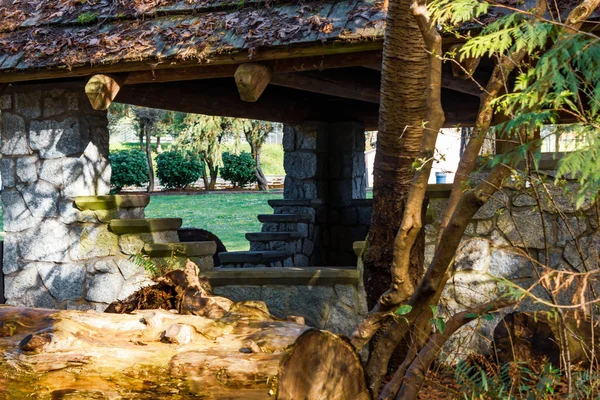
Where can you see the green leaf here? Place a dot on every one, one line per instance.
(434, 311)
(488, 317)
(403, 309)
(440, 325)
(472, 315)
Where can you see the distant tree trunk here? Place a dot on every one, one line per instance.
(402, 112)
(205, 178)
(158, 145)
(141, 137)
(149, 156)
(261, 179)
(213, 171)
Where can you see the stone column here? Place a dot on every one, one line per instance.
(305, 148)
(54, 147)
(326, 161)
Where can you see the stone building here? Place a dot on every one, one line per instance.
(315, 68)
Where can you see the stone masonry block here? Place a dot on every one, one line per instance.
(58, 139)
(16, 285)
(41, 198)
(64, 281)
(105, 288)
(7, 169)
(94, 241)
(13, 135)
(51, 171)
(300, 165)
(17, 217)
(5, 102)
(50, 240)
(27, 169)
(28, 105)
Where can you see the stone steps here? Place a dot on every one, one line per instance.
(255, 259)
(110, 202)
(187, 249)
(274, 236)
(148, 225)
(285, 218)
(295, 203)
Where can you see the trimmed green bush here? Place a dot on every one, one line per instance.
(129, 168)
(238, 169)
(176, 170)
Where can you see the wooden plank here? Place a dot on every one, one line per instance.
(293, 276)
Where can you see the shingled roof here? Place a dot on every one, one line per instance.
(70, 34)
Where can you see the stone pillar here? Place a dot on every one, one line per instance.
(326, 161)
(54, 147)
(305, 148)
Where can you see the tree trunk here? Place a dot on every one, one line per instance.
(149, 156)
(205, 178)
(196, 345)
(155, 354)
(402, 112)
(261, 179)
(213, 171)
(158, 145)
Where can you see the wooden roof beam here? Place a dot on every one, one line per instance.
(342, 86)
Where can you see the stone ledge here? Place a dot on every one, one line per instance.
(148, 225)
(253, 257)
(295, 203)
(290, 276)
(274, 236)
(286, 218)
(189, 249)
(111, 202)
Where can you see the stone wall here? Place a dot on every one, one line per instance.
(325, 297)
(325, 162)
(506, 240)
(56, 255)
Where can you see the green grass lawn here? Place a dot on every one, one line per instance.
(228, 215)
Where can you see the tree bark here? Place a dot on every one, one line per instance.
(261, 179)
(149, 157)
(213, 171)
(195, 345)
(158, 145)
(402, 112)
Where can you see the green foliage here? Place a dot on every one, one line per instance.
(177, 169)
(513, 380)
(239, 169)
(403, 309)
(129, 168)
(87, 17)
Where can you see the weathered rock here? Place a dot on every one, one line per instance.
(51, 172)
(569, 229)
(64, 281)
(276, 297)
(473, 255)
(5, 102)
(529, 229)
(27, 169)
(49, 241)
(87, 175)
(507, 264)
(103, 266)
(300, 165)
(28, 104)
(38, 297)
(238, 293)
(17, 217)
(41, 198)
(484, 227)
(94, 241)
(10, 254)
(55, 139)
(470, 290)
(347, 294)
(588, 258)
(498, 201)
(128, 268)
(7, 169)
(133, 284)
(105, 288)
(16, 285)
(342, 319)
(13, 135)
(524, 200)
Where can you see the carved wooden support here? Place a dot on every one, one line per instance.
(251, 80)
(101, 90)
